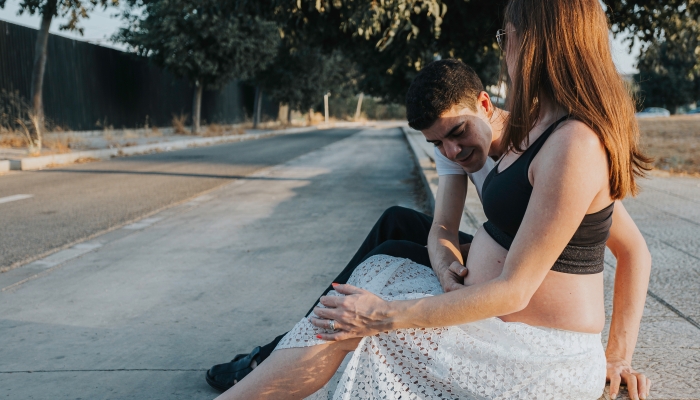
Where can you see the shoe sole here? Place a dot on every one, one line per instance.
(216, 385)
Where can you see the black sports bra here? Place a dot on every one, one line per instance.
(506, 195)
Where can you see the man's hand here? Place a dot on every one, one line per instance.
(451, 278)
(618, 371)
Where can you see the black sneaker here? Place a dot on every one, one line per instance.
(223, 376)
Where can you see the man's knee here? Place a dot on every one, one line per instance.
(396, 214)
(394, 248)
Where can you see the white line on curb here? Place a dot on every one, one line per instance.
(144, 223)
(15, 198)
(68, 254)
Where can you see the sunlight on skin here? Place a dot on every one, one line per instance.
(293, 373)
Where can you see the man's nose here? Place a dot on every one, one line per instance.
(452, 150)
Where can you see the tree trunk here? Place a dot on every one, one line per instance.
(358, 111)
(258, 105)
(289, 114)
(197, 106)
(37, 83)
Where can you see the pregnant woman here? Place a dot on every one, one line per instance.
(528, 322)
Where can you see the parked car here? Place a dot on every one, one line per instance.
(652, 112)
(694, 111)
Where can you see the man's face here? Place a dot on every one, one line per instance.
(463, 136)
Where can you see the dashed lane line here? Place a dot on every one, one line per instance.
(15, 198)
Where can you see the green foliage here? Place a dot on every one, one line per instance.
(73, 9)
(669, 74)
(343, 107)
(300, 76)
(390, 40)
(649, 19)
(202, 40)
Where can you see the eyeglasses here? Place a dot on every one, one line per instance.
(501, 38)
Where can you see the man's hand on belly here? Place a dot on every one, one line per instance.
(452, 278)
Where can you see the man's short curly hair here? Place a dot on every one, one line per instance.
(439, 86)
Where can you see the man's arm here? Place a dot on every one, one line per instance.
(631, 281)
(443, 240)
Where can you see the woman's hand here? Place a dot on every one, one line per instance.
(357, 314)
(619, 370)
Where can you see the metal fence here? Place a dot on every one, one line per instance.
(88, 86)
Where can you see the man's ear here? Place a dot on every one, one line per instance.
(484, 102)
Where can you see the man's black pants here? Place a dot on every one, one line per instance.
(399, 232)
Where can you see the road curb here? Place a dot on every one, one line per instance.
(426, 166)
(37, 163)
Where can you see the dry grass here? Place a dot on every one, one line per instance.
(63, 144)
(83, 160)
(154, 132)
(673, 142)
(129, 134)
(9, 139)
(179, 124)
(222, 130)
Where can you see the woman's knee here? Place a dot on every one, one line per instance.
(402, 249)
(348, 345)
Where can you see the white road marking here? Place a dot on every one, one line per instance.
(15, 198)
(68, 254)
(144, 223)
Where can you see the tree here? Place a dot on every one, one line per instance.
(669, 74)
(205, 41)
(647, 20)
(391, 40)
(300, 76)
(48, 9)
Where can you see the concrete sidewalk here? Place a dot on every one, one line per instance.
(143, 311)
(95, 145)
(667, 211)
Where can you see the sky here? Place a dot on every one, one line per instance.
(102, 24)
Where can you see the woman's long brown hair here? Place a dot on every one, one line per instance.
(564, 54)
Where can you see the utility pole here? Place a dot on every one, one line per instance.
(325, 104)
(359, 106)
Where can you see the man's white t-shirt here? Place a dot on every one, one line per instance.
(445, 166)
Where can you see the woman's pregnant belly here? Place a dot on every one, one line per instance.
(563, 301)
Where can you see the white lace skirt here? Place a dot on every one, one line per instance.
(488, 359)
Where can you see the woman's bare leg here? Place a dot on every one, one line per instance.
(292, 373)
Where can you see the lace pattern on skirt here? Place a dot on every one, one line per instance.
(488, 359)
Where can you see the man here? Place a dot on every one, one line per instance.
(448, 104)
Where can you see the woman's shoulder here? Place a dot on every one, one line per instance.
(572, 145)
(574, 137)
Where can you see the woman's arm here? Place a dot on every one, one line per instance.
(631, 282)
(570, 179)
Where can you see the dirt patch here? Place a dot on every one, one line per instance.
(674, 143)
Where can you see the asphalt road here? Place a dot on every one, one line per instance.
(144, 315)
(69, 204)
